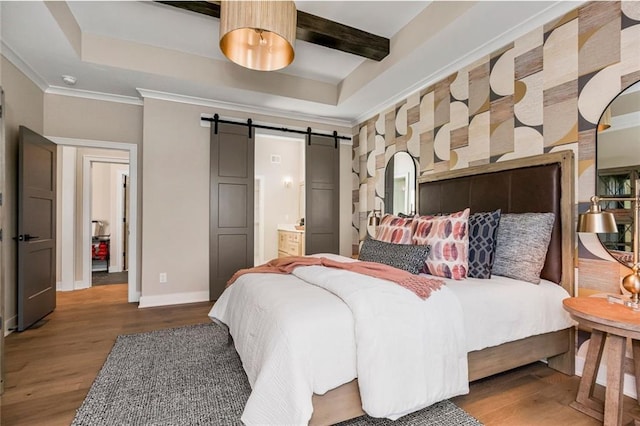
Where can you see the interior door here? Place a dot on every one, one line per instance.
(231, 228)
(322, 198)
(36, 227)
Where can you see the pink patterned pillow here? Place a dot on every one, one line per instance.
(448, 237)
(396, 230)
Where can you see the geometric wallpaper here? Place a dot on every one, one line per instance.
(540, 93)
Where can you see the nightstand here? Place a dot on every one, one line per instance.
(610, 323)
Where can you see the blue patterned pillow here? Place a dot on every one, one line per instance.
(483, 229)
(408, 257)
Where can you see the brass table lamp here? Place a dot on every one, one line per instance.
(597, 221)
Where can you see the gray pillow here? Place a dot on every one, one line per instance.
(408, 257)
(522, 243)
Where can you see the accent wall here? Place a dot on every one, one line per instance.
(542, 92)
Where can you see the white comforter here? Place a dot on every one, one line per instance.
(503, 310)
(318, 328)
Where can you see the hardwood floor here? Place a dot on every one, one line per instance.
(50, 369)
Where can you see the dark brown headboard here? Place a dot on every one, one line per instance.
(536, 184)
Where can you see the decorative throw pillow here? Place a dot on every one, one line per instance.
(522, 243)
(482, 243)
(394, 229)
(402, 256)
(448, 236)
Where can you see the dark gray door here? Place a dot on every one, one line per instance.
(231, 204)
(36, 227)
(322, 182)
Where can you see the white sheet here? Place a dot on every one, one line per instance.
(410, 352)
(502, 309)
(290, 355)
(293, 339)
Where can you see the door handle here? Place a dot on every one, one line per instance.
(27, 237)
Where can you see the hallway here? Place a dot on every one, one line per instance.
(106, 278)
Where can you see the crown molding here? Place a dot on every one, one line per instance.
(559, 8)
(39, 81)
(193, 100)
(97, 96)
(23, 67)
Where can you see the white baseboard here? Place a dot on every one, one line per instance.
(65, 286)
(10, 324)
(81, 285)
(629, 382)
(173, 299)
(136, 297)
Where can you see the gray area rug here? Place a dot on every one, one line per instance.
(189, 376)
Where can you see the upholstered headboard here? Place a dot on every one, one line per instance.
(536, 184)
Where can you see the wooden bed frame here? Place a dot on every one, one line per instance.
(343, 402)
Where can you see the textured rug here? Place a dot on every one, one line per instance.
(189, 376)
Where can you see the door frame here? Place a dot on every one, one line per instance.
(134, 290)
(118, 213)
(259, 203)
(3, 256)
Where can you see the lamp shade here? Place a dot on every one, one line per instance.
(605, 120)
(259, 35)
(597, 222)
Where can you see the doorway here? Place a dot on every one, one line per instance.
(109, 220)
(279, 203)
(75, 227)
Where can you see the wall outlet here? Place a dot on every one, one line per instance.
(163, 277)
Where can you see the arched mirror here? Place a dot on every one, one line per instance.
(618, 167)
(400, 184)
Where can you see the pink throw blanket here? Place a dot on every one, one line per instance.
(420, 285)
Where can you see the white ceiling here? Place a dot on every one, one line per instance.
(131, 45)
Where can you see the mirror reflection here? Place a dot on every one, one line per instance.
(400, 184)
(618, 167)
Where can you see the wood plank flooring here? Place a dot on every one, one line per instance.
(50, 369)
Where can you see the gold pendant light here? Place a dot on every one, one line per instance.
(259, 35)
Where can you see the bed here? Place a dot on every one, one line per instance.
(325, 335)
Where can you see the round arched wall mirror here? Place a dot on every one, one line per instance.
(618, 167)
(400, 184)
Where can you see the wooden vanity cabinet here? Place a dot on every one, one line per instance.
(290, 243)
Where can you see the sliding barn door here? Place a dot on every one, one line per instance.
(322, 182)
(231, 204)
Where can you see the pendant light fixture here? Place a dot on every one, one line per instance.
(259, 35)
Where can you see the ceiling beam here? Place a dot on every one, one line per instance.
(313, 29)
